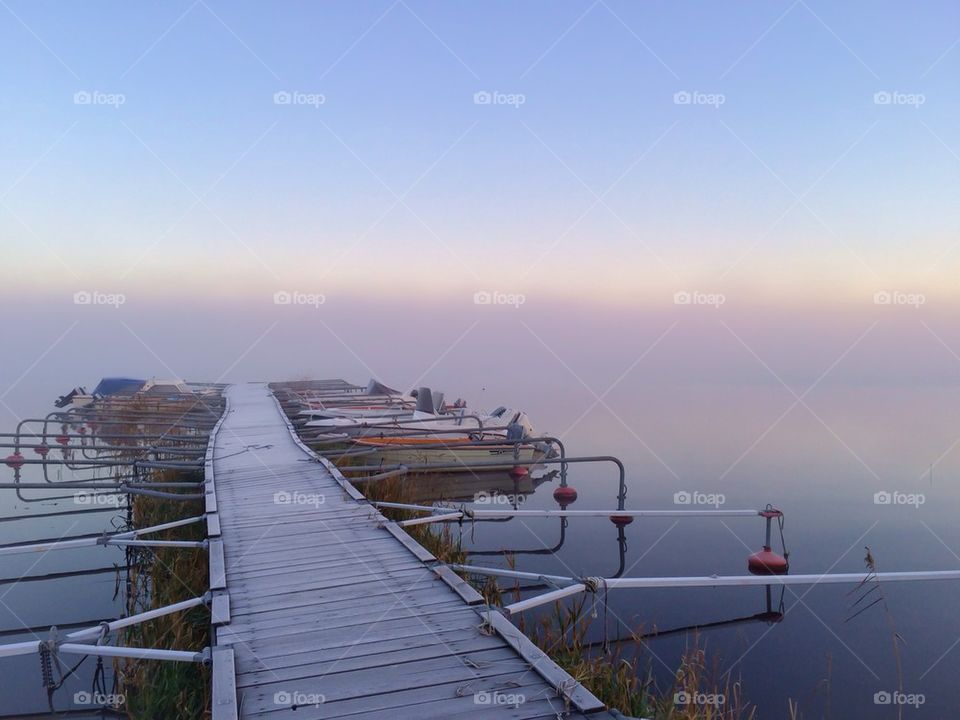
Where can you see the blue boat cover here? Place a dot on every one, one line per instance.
(114, 385)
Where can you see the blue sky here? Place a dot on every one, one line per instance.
(599, 179)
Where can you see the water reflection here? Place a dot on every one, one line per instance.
(482, 487)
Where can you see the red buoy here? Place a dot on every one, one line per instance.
(518, 472)
(621, 520)
(564, 495)
(767, 562)
(15, 461)
(42, 449)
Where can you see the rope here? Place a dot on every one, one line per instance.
(606, 625)
(783, 543)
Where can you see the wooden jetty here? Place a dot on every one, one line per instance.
(325, 607)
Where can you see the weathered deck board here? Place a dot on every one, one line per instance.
(327, 599)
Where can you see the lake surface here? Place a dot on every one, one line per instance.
(821, 461)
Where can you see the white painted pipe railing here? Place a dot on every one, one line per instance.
(137, 619)
(485, 512)
(430, 519)
(516, 574)
(508, 512)
(728, 581)
(94, 541)
(163, 526)
(20, 648)
(123, 538)
(128, 652)
(32, 646)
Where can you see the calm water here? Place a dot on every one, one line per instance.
(825, 484)
(820, 465)
(63, 601)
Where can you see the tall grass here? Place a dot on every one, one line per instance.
(439, 541)
(154, 689)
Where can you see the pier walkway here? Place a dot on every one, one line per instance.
(323, 606)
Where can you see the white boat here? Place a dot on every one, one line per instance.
(432, 451)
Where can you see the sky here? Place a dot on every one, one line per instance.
(220, 189)
(585, 174)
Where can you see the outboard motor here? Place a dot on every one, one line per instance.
(67, 399)
(516, 431)
(425, 401)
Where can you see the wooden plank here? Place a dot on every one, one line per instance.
(371, 681)
(451, 699)
(408, 542)
(210, 500)
(301, 664)
(345, 641)
(581, 698)
(223, 684)
(213, 525)
(345, 614)
(218, 576)
(356, 592)
(476, 705)
(220, 608)
(459, 585)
